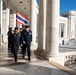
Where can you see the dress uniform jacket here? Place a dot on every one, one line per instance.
(27, 38)
(9, 37)
(15, 42)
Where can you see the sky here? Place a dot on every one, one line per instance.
(37, 1)
(66, 5)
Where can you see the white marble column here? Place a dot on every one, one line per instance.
(8, 11)
(52, 27)
(1, 4)
(42, 30)
(29, 13)
(42, 25)
(65, 30)
(13, 19)
(73, 31)
(5, 22)
(60, 30)
(33, 21)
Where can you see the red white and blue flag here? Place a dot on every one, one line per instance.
(21, 19)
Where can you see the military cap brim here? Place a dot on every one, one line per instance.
(27, 26)
(16, 28)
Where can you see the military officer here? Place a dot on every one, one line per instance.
(26, 41)
(9, 33)
(15, 40)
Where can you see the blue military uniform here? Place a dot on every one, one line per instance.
(15, 41)
(27, 38)
(9, 33)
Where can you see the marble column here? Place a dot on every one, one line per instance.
(48, 35)
(60, 30)
(42, 30)
(29, 13)
(1, 4)
(42, 25)
(65, 30)
(5, 23)
(50, 52)
(13, 19)
(33, 21)
(72, 30)
(52, 27)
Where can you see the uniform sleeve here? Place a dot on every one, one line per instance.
(11, 39)
(22, 37)
(31, 35)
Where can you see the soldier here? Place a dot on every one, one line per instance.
(9, 33)
(15, 40)
(26, 41)
(10, 39)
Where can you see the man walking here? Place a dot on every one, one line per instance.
(26, 41)
(9, 33)
(15, 41)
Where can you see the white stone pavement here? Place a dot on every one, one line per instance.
(24, 67)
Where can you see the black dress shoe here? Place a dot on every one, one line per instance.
(15, 60)
(23, 57)
(29, 59)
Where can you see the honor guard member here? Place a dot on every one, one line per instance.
(10, 41)
(15, 42)
(9, 33)
(26, 41)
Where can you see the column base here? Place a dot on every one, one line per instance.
(40, 53)
(53, 54)
(34, 46)
(46, 55)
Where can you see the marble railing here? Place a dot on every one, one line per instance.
(70, 59)
(69, 52)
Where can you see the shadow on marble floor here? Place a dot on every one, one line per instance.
(30, 69)
(35, 67)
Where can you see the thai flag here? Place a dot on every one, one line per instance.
(21, 19)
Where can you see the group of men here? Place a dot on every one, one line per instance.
(21, 38)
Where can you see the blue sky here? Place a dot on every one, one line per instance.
(66, 5)
(37, 1)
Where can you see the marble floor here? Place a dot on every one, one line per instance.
(23, 67)
(72, 66)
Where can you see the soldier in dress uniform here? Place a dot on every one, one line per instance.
(10, 41)
(9, 33)
(15, 41)
(26, 41)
